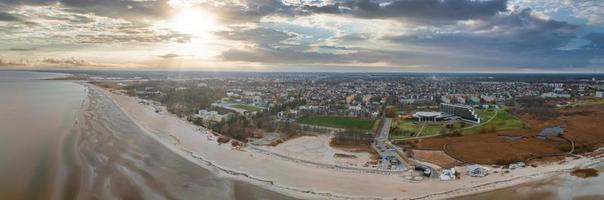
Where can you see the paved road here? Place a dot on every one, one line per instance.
(385, 148)
(385, 130)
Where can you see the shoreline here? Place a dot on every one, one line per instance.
(285, 179)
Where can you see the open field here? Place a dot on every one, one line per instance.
(502, 121)
(491, 150)
(494, 148)
(582, 124)
(493, 121)
(338, 122)
(247, 107)
(408, 129)
(589, 102)
(318, 149)
(439, 158)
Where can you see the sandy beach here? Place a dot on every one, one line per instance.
(113, 158)
(306, 181)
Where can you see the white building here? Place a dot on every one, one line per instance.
(445, 99)
(466, 113)
(428, 116)
(600, 94)
(448, 175)
(554, 95)
(357, 107)
(212, 116)
(477, 171)
(460, 100)
(488, 99)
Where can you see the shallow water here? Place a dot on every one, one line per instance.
(59, 140)
(34, 116)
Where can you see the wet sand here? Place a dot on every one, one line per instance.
(563, 186)
(118, 160)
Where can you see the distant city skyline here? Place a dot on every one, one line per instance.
(501, 36)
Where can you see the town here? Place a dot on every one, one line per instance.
(416, 126)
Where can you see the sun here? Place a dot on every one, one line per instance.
(195, 22)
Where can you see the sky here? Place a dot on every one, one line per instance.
(305, 35)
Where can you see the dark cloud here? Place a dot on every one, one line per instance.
(514, 39)
(269, 47)
(358, 56)
(517, 38)
(417, 10)
(171, 55)
(72, 18)
(250, 10)
(261, 36)
(74, 63)
(596, 40)
(254, 10)
(127, 9)
(67, 62)
(8, 63)
(27, 2)
(523, 29)
(21, 49)
(290, 56)
(428, 11)
(354, 37)
(4, 16)
(131, 38)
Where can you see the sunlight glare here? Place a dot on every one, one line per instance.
(195, 22)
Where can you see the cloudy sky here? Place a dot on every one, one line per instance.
(305, 35)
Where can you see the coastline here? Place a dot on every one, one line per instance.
(304, 181)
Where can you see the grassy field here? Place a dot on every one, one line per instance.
(338, 122)
(502, 121)
(408, 129)
(589, 102)
(247, 107)
(485, 114)
(499, 121)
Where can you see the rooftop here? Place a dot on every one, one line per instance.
(428, 114)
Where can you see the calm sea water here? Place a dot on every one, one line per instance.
(58, 140)
(34, 117)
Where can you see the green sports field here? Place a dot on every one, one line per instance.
(338, 122)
